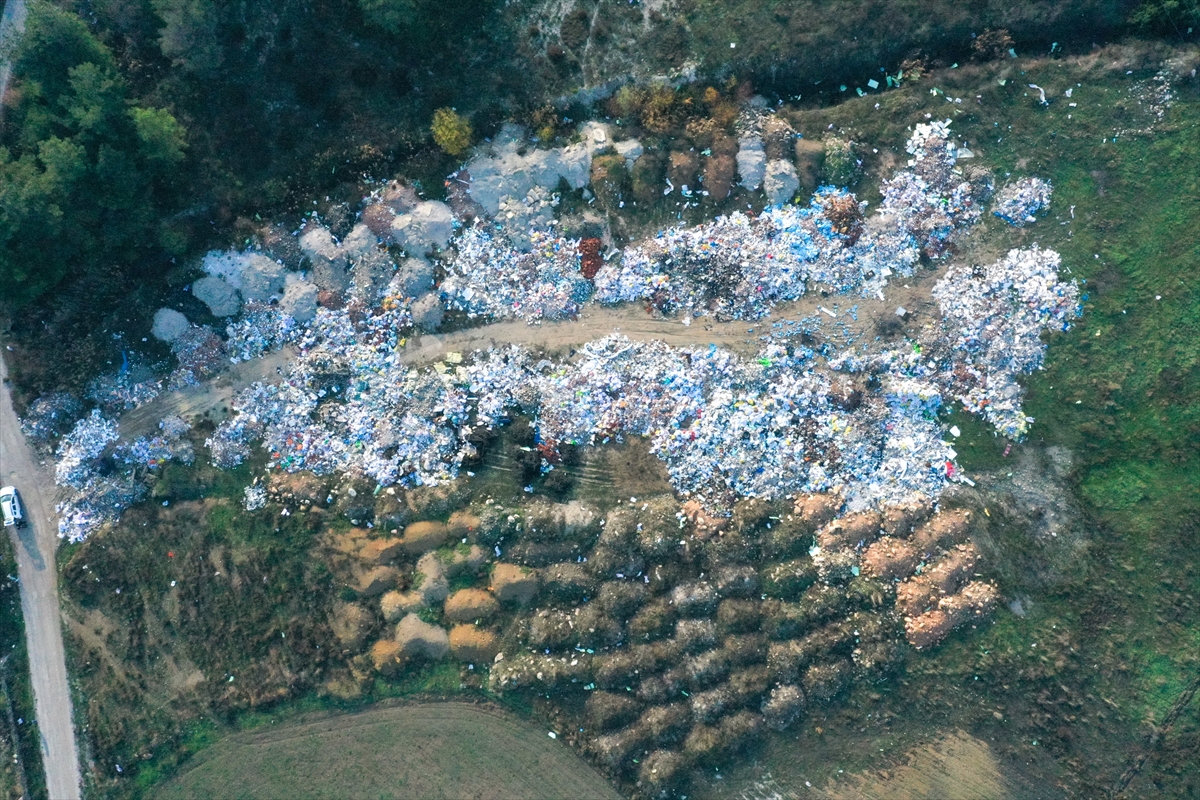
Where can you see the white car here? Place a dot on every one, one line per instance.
(10, 507)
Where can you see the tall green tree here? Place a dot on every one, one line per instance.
(88, 174)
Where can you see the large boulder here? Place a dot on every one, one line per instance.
(428, 226)
(359, 241)
(317, 242)
(299, 299)
(751, 161)
(413, 278)
(327, 259)
(780, 181)
(262, 279)
(419, 639)
(427, 312)
(169, 325)
(221, 298)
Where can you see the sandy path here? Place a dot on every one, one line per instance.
(35, 545)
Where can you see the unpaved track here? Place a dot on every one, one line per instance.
(594, 322)
(35, 545)
(12, 25)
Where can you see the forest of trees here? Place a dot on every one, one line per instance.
(141, 130)
(137, 129)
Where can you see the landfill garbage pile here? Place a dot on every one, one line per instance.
(50, 416)
(725, 427)
(152, 452)
(131, 386)
(81, 448)
(993, 318)
(932, 198)
(92, 499)
(1019, 202)
(737, 267)
(261, 329)
(100, 474)
(488, 276)
(255, 497)
(201, 354)
(350, 405)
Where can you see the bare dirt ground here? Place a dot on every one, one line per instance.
(426, 750)
(956, 765)
(35, 545)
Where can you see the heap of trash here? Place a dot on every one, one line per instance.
(1019, 202)
(489, 276)
(862, 423)
(992, 318)
(737, 267)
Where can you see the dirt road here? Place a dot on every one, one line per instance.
(35, 545)
(12, 25)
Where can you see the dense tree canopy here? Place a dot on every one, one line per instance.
(88, 173)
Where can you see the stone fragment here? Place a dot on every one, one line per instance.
(221, 298)
(169, 325)
(780, 181)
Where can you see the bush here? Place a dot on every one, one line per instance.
(451, 131)
(840, 165)
(992, 44)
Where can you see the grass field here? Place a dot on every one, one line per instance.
(430, 750)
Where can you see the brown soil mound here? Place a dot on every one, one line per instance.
(473, 645)
(374, 582)
(350, 624)
(419, 639)
(421, 537)
(395, 605)
(380, 551)
(468, 605)
(814, 510)
(890, 558)
(385, 654)
(514, 584)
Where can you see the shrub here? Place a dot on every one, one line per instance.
(451, 131)
(992, 44)
(840, 165)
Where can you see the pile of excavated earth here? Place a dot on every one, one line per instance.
(684, 635)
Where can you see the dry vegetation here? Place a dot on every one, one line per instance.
(444, 750)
